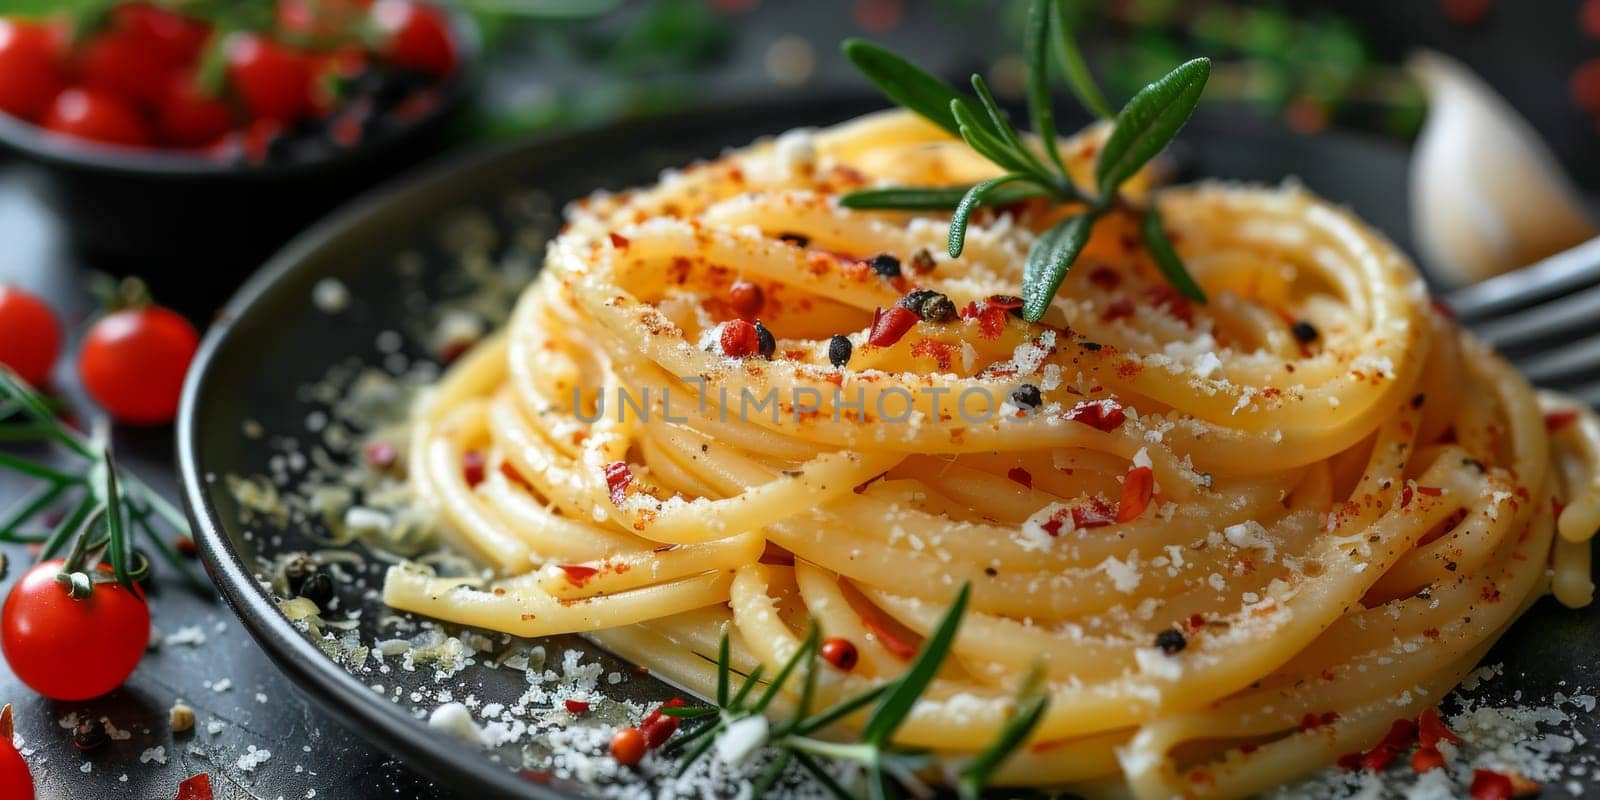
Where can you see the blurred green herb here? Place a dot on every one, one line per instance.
(1139, 131)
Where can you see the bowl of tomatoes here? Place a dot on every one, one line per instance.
(187, 139)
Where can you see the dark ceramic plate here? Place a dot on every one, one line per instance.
(272, 340)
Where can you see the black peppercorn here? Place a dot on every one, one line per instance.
(296, 570)
(1305, 332)
(922, 262)
(1171, 641)
(929, 305)
(1027, 396)
(88, 735)
(318, 589)
(766, 344)
(796, 239)
(886, 265)
(839, 350)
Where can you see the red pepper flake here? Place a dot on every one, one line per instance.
(1020, 475)
(1313, 721)
(1005, 301)
(657, 727)
(1431, 729)
(971, 311)
(841, 653)
(746, 298)
(1136, 490)
(900, 648)
(991, 322)
(739, 339)
(380, 455)
(1120, 308)
(197, 787)
(1105, 277)
(889, 326)
(472, 468)
(1096, 514)
(619, 241)
(1400, 736)
(617, 479)
(577, 706)
(1103, 415)
(514, 476)
(1425, 759)
(1559, 419)
(1196, 621)
(1405, 497)
(1491, 785)
(1249, 747)
(1431, 491)
(185, 545)
(578, 574)
(1167, 298)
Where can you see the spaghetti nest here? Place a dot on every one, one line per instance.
(1312, 498)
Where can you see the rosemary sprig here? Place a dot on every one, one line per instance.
(1144, 126)
(109, 507)
(885, 770)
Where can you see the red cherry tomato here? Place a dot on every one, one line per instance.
(30, 337)
(124, 63)
(15, 779)
(273, 80)
(68, 649)
(133, 362)
(97, 116)
(189, 117)
(418, 36)
(181, 39)
(31, 72)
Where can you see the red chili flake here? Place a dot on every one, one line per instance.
(1167, 298)
(619, 241)
(514, 476)
(617, 479)
(1400, 736)
(740, 339)
(577, 574)
(1105, 278)
(841, 653)
(658, 728)
(1020, 475)
(1120, 308)
(1136, 490)
(1491, 785)
(901, 648)
(1313, 721)
(197, 787)
(1005, 301)
(970, 311)
(746, 298)
(185, 545)
(991, 321)
(1249, 747)
(1096, 514)
(472, 467)
(1405, 497)
(889, 326)
(577, 706)
(1557, 420)
(1425, 759)
(1195, 622)
(1431, 729)
(1431, 491)
(1102, 415)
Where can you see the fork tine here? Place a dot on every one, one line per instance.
(1564, 366)
(1564, 319)
(1562, 273)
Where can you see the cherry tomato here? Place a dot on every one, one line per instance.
(179, 38)
(30, 337)
(273, 80)
(97, 116)
(417, 34)
(31, 72)
(133, 362)
(16, 782)
(68, 649)
(328, 69)
(189, 117)
(124, 63)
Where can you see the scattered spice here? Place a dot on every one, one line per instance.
(928, 304)
(766, 343)
(577, 706)
(1137, 488)
(296, 570)
(627, 747)
(1491, 785)
(1171, 641)
(922, 262)
(901, 648)
(1305, 332)
(472, 468)
(746, 298)
(841, 653)
(619, 241)
(839, 349)
(1400, 736)
(578, 574)
(1103, 415)
(318, 589)
(890, 326)
(618, 476)
(1559, 419)
(197, 787)
(380, 455)
(1096, 513)
(799, 240)
(89, 735)
(657, 727)
(1027, 396)
(739, 339)
(180, 718)
(886, 265)
(1020, 475)
(185, 545)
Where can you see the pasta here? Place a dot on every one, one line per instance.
(1240, 539)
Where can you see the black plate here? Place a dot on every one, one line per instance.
(272, 340)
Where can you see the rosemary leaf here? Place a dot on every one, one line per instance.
(969, 203)
(1072, 63)
(1007, 133)
(986, 142)
(724, 668)
(1049, 259)
(895, 705)
(1166, 258)
(828, 781)
(770, 775)
(906, 83)
(1041, 108)
(1149, 122)
(30, 506)
(935, 199)
(1012, 734)
(687, 712)
(750, 683)
(840, 710)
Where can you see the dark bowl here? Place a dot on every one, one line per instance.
(185, 220)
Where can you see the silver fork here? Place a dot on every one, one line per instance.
(1545, 318)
